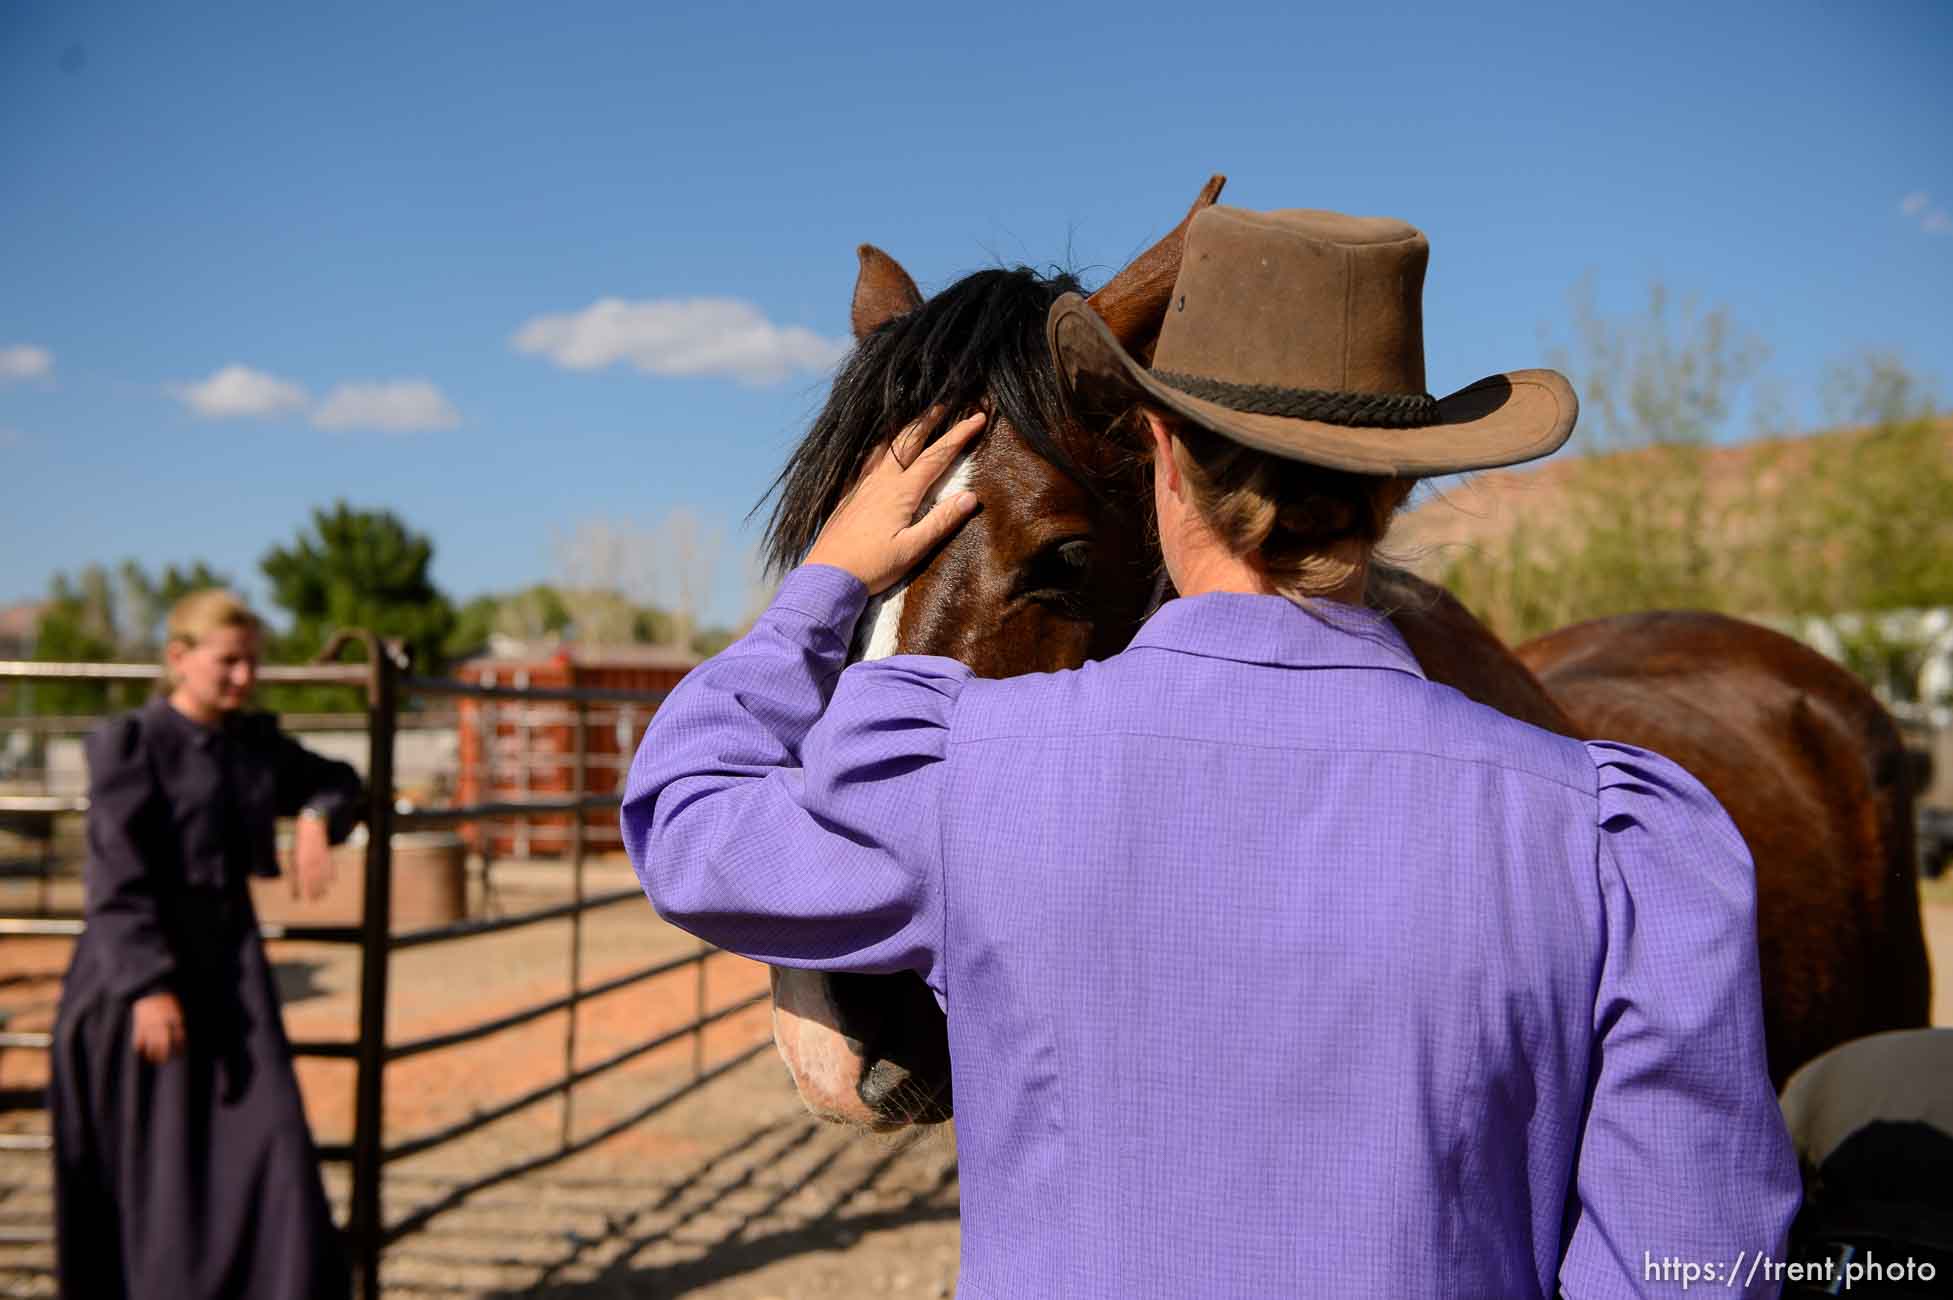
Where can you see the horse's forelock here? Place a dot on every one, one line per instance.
(981, 341)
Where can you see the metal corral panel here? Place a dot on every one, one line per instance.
(526, 749)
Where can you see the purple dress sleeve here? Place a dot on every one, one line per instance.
(1684, 1155)
(774, 821)
(126, 815)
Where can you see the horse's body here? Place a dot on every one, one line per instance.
(1813, 772)
(1806, 762)
(1059, 567)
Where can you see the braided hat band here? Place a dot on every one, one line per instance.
(1301, 333)
(1351, 410)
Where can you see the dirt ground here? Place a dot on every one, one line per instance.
(1936, 899)
(730, 1192)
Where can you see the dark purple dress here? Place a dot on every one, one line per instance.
(196, 1178)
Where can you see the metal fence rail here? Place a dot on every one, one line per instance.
(386, 684)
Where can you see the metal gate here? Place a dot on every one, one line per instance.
(386, 684)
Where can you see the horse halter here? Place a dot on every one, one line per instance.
(1163, 591)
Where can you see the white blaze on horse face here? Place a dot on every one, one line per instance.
(881, 619)
(825, 1067)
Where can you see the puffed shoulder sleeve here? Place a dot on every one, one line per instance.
(127, 824)
(1684, 1153)
(782, 808)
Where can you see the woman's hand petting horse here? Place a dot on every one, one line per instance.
(874, 533)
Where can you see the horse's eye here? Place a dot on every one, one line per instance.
(1058, 572)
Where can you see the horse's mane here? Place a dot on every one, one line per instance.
(979, 342)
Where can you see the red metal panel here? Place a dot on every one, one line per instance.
(548, 755)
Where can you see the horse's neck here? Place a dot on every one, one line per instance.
(1454, 648)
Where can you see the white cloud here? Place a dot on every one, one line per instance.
(239, 392)
(678, 336)
(1933, 220)
(399, 406)
(25, 361)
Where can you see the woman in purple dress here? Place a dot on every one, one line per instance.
(1270, 967)
(184, 1168)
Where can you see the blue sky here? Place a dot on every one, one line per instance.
(256, 258)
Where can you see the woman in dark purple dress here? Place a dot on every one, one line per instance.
(183, 1165)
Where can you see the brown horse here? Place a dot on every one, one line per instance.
(1059, 567)
(1811, 769)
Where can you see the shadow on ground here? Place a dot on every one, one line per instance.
(298, 981)
(740, 1255)
(784, 1191)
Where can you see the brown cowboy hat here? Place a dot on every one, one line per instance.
(1301, 333)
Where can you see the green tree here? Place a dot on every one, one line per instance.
(606, 569)
(602, 616)
(146, 602)
(1886, 504)
(1670, 374)
(473, 624)
(358, 569)
(1657, 387)
(528, 615)
(1857, 522)
(77, 626)
(533, 613)
(654, 626)
(99, 617)
(1641, 529)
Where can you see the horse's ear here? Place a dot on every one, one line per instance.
(1133, 303)
(882, 291)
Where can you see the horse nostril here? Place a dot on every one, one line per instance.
(880, 1082)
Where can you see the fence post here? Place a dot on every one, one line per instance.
(487, 739)
(579, 787)
(525, 755)
(367, 1220)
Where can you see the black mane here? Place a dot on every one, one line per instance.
(979, 342)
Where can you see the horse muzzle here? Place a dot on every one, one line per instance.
(863, 1050)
